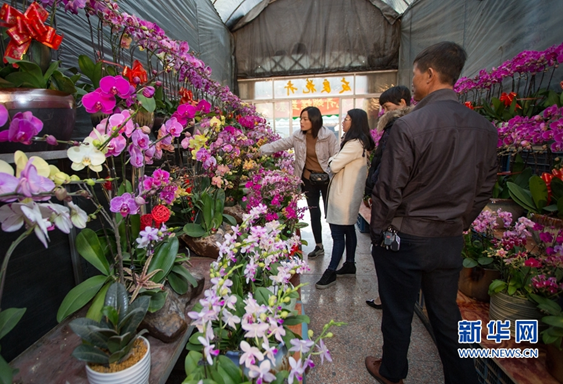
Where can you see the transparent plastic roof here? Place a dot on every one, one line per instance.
(236, 13)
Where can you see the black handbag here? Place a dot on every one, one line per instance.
(319, 179)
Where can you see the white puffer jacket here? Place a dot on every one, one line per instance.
(326, 147)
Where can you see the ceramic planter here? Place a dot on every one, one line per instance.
(505, 307)
(474, 282)
(136, 374)
(57, 111)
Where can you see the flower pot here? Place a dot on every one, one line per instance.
(505, 307)
(57, 111)
(554, 362)
(137, 374)
(474, 282)
(506, 205)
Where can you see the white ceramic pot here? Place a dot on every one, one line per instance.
(137, 374)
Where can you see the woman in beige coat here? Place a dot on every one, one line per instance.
(346, 191)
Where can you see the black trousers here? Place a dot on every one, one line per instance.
(432, 264)
(313, 195)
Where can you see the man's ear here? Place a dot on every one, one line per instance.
(403, 103)
(430, 75)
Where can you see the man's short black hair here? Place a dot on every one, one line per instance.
(395, 94)
(447, 58)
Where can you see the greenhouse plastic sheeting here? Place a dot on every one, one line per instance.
(491, 31)
(295, 37)
(194, 21)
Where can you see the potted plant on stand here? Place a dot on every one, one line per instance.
(113, 349)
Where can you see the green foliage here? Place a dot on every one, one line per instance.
(553, 334)
(211, 205)
(111, 339)
(534, 197)
(30, 75)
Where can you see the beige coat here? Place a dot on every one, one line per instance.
(346, 189)
(327, 146)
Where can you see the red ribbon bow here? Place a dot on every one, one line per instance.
(187, 96)
(137, 71)
(24, 27)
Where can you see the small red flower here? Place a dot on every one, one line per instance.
(160, 214)
(507, 98)
(146, 221)
(137, 74)
(469, 105)
(107, 185)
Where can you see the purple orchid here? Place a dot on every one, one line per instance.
(140, 139)
(124, 204)
(137, 156)
(98, 101)
(116, 146)
(23, 128)
(173, 127)
(148, 91)
(8, 185)
(3, 115)
(115, 85)
(32, 184)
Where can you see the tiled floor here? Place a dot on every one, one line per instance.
(361, 337)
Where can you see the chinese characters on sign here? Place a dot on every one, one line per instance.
(328, 86)
(497, 330)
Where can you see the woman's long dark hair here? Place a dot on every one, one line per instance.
(359, 130)
(316, 119)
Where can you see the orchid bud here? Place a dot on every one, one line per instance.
(51, 140)
(136, 80)
(292, 272)
(284, 314)
(287, 300)
(263, 317)
(272, 301)
(158, 83)
(329, 335)
(261, 265)
(74, 178)
(61, 193)
(224, 292)
(154, 72)
(91, 182)
(148, 91)
(61, 178)
(139, 200)
(310, 333)
(146, 129)
(92, 216)
(96, 143)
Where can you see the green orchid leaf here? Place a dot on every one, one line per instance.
(80, 295)
(297, 319)
(191, 364)
(178, 284)
(87, 330)
(111, 314)
(538, 189)
(95, 310)
(6, 372)
(29, 70)
(21, 79)
(208, 211)
(87, 67)
(9, 318)
(182, 271)
(497, 286)
(230, 219)
(63, 83)
(52, 68)
(230, 369)
(163, 259)
(262, 295)
(522, 197)
(554, 321)
(89, 247)
(158, 299)
(148, 103)
(194, 230)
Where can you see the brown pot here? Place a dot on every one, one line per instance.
(57, 111)
(474, 282)
(554, 362)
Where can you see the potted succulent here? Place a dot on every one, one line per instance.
(114, 350)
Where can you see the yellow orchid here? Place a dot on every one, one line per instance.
(20, 159)
(196, 143)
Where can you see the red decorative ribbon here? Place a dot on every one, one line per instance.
(187, 96)
(136, 72)
(23, 28)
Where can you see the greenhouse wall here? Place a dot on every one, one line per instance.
(491, 31)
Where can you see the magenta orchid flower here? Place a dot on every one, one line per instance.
(23, 128)
(116, 146)
(148, 91)
(124, 204)
(137, 156)
(32, 184)
(173, 127)
(204, 106)
(140, 139)
(98, 101)
(115, 85)
(3, 115)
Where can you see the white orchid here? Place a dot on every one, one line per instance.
(58, 215)
(77, 215)
(86, 156)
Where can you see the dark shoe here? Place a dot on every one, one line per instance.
(372, 365)
(348, 269)
(318, 251)
(372, 304)
(328, 279)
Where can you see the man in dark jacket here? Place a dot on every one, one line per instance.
(437, 173)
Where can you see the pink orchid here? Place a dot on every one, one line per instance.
(140, 139)
(116, 146)
(31, 184)
(23, 128)
(137, 156)
(115, 86)
(3, 115)
(124, 204)
(98, 101)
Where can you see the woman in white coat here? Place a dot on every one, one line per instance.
(314, 145)
(346, 192)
